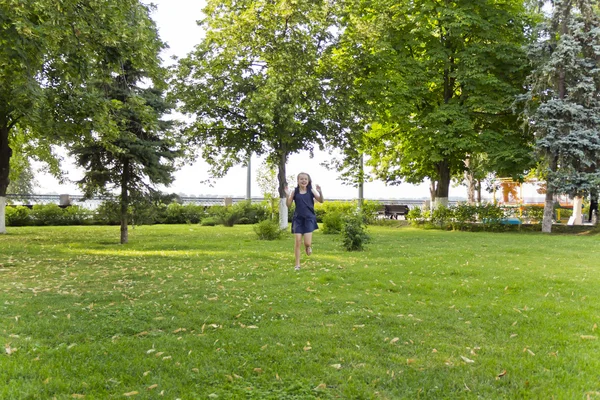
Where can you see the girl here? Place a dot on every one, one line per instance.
(304, 221)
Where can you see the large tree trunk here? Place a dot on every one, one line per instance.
(5, 154)
(124, 203)
(549, 202)
(443, 184)
(470, 179)
(283, 210)
(2, 214)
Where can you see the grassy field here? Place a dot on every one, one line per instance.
(194, 312)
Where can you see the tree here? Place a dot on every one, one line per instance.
(563, 104)
(255, 84)
(49, 51)
(442, 76)
(141, 155)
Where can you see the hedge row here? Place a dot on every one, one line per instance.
(148, 213)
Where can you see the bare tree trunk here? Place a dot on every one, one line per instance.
(549, 201)
(443, 186)
(470, 179)
(249, 179)
(283, 210)
(124, 203)
(5, 154)
(361, 182)
(478, 192)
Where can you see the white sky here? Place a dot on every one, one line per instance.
(176, 20)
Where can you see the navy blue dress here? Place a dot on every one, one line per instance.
(304, 219)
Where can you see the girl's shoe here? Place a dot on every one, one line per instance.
(308, 250)
(297, 268)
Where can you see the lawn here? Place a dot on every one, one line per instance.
(193, 312)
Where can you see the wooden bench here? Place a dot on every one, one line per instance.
(393, 211)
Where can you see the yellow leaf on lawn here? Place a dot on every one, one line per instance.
(129, 394)
(151, 387)
(467, 360)
(501, 374)
(589, 337)
(336, 366)
(321, 386)
(258, 370)
(78, 396)
(307, 348)
(394, 340)
(410, 361)
(594, 327)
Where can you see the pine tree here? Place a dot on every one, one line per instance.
(563, 107)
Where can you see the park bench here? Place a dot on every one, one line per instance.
(393, 211)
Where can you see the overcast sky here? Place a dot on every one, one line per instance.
(176, 20)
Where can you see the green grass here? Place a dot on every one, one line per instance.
(197, 312)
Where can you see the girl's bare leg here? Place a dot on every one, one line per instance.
(308, 243)
(297, 243)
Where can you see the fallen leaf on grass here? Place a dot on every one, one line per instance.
(589, 337)
(9, 350)
(467, 360)
(129, 394)
(394, 340)
(151, 387)
(307, 348)
(321, 386)
(501, 374)
(258, 370)
(410, 361)
(78, 396)
(336, 366)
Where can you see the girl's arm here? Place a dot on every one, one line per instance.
(290, 196)
(318, 193)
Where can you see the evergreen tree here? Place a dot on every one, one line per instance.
(140, 155)
(563, 104)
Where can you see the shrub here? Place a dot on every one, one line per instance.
(18, 216)
(227, 216)
(268, 230)
(48, 214)
(77, 215)
(332, 223)
(209, 221)
(176, 213)
(533, 214)
(490, 215)
(415, 215)
(108, 213)
(250, 213)
(441, 215)
(354, 232)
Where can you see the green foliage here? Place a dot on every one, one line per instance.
(176, 213)
(441, 78)
(332, 223)
(18, 216)
(209, 221)
(108, 213)
(354, 232)
(268, 230)
(47, 214)
(250, 213)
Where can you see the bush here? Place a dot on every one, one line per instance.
(441, 215)
(354, 232)
(268, 230)
(18, 216)
(332, 223)
(209, 221)
(250, 213)
(48, 214)
(176, 213)
(108, 213)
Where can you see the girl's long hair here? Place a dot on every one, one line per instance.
(308, 187)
